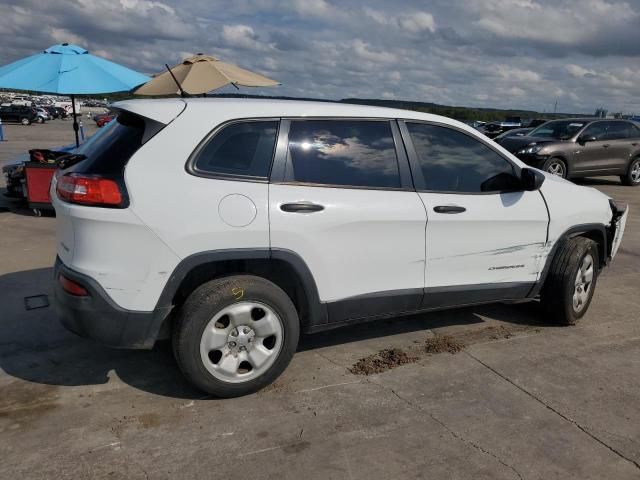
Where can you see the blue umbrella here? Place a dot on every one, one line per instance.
(69, 70)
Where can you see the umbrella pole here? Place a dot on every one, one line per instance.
(75, 120)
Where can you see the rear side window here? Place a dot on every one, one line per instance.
(350, 153)
(452, 161)
(620, 131)
(239, 149)
(109, 150)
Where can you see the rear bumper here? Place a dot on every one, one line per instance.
(97, 317)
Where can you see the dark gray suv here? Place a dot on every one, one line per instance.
(582, 147)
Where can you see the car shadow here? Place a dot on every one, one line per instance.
(36, 348)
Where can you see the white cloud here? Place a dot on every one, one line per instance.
(414, 22)
(243, 36)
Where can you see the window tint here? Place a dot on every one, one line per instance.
(617, 131)
(240, 149)
(109, 150)
(357, 153)
(452, 161)
(598, 130)
(634, 131)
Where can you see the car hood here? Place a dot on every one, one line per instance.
(514, 144)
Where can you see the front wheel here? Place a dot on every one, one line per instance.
(571, 281)
(235, 335)
(25, 121)
(555, 166)
(632, 177)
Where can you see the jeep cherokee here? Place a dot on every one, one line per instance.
(231, 226)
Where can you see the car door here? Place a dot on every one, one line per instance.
(620, 135)
(597, 153)
(342, 199)
(485, 236)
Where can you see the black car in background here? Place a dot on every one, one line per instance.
(581, 147)
(18, 114)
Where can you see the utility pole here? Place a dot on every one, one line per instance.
(555, 107)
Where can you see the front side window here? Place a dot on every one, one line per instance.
(597, 130)
(239, 149)
(452, 161)
(356, 153)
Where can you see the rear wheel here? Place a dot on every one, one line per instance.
(555, 166)
(235, 335)
(25, 121)
(632, 177)
(570, 284)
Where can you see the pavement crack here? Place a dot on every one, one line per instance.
(557, 412)
(330, 360)
(451, 431)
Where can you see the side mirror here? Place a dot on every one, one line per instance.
(586, 138)
(531, 179)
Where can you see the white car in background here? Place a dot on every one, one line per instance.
(233, 225)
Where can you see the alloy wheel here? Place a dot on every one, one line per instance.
(241, 342)
(556, 168)
(635, 172)
(582, 284)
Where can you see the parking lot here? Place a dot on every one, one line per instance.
(500, 394)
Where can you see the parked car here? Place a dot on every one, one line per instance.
(582, 147)
(42, 115)
(494, 129)
(52, 111)
(290, 216)
(104, 119)
(18, 114)
(62, 113)
(516, 132)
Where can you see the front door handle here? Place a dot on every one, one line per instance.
(301, 207)
(606, 145)
(449, 209)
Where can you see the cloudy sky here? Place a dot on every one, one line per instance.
(493, 53)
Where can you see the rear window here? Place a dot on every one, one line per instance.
(109, 149)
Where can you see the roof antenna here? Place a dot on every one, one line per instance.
(183, 94)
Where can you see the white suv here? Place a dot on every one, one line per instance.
(233, 225)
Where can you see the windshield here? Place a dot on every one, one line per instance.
(557, 129)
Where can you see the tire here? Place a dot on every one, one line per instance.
(632, 177)
(562, 298)
(555, 166)
(25, 121)
(218, 335)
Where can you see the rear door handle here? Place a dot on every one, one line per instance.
(449, 209)
(301, 207)
(606, 145)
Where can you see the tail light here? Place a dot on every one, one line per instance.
(72, 287)
(92, 190)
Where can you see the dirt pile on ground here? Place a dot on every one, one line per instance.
(444, 343)
(382, 361)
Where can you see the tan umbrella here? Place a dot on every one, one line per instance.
(201, 74)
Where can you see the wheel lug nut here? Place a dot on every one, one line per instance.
(232, 344)
(246, 330)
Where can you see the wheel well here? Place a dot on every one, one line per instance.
(277, 271)
(597, 236)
